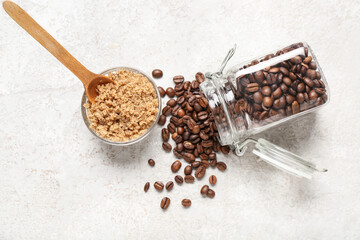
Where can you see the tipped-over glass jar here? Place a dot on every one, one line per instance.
(256, 95)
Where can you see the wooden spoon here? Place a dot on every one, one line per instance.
(89, 79)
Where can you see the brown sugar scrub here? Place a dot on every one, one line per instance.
(124, 110)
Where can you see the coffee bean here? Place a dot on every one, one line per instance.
(267, 101)
(210, 193)
(151, 162)
(195, 164)
(213, 163)
(165, 134)
(204, 190)
(165, 202)
(203, 102)
(252, 87)
(200, 172)
(147, 186)
(196, 129)
(205, 163)
(295, 107)
(225, 149)
(159, 186)
(171, 127)
(179, 179)
(169, 185)
(181, 112)
(307, 60)
(189, 157)
(311, 73)
(221, 166)
(188, 170)
(178, 79)
(166, 110)
(162, 120)
(212, 179)
(157, 73)
(189, 179)
(296, 60)
(166, 146)
(200, 77)
(170, 92)
(186, 202)
(313, 95)
(161, 91)
(258, 97)
(176, 166)
(202, 115)
(171, 102)
(277, 93)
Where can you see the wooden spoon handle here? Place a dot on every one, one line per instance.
(47, 41)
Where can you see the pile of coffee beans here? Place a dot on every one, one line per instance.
(280, 90)
(191, 126)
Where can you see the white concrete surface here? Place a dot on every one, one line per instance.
(58, 182)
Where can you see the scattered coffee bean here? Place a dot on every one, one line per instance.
(169, 185)
(186, 202)
(175, 166)
(165, 202)
(210, 193)
(200, 172)
(189, 179)
(166, 146)
(147, 186)
(204, 190)
(151, 162)
(157, 73)
(179, 179)
(162, 120)
(161, 91)
(221, 166)
(178, 79)
(158, 185)
(212, 179)
(170, 92)
(165, 134)
(188, 170)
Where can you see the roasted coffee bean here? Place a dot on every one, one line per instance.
(204, 190)
(205, 163)
(165, 202)
(151, 162)
(189, 179)
(266, 90)
(213, 163)
(204, 156)
(295, 107)
(157, 73)
(177, 154)
(221, 166)
(170, 92)
(169, 185)
(289, 99)
(252, 87)
(196, 129)
(161, 91)
(181, 112)
(188, 157)
(320, 91)
(210, 193)
(296, 60)
(312, 65)
(313, 95)
(179, 147)
(166, 146)
(158, 185)
(204, 136)
(165, 134)
(178, 79)
(176, 166)
(300, 98)
(171, 102)
(186, 202)
(166, 110)
(203, 102)
(194, 84)
(186, 136)
(195, 164)
(307, 60)
(207, 143)
(188, 170)
(179, 179)
(200, 172)
(267, 101)
(178, 138)
(202, 115)
(225, 149)
(162, 120)
(277, 93)
(147, 186)
(300, 87)
(197, 107)
(311, 73)
(258, 97)
(200, 77)
(188, 145)
(171, 127)
(212, 179)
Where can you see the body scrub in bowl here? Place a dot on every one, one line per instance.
(126, 111)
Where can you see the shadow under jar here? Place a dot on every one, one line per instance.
(256, 95)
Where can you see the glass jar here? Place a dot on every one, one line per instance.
(259, 94)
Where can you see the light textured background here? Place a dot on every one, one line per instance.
(58, 182)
